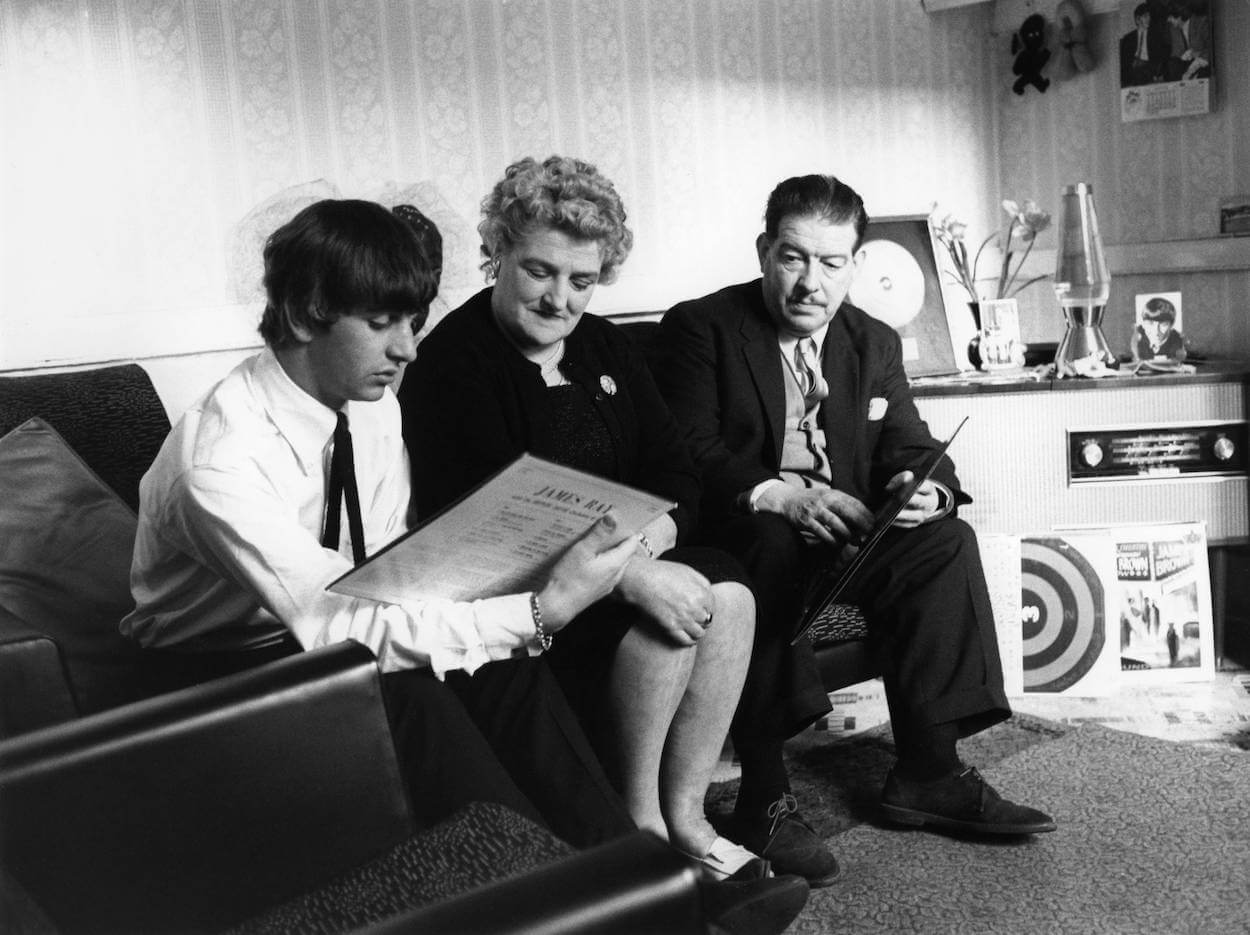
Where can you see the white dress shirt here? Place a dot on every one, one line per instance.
(228, 548)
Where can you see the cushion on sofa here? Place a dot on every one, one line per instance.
(65, 546)
(111, 416)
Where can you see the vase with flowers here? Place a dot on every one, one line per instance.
(1025, 222)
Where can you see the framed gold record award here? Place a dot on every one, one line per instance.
(898, 283)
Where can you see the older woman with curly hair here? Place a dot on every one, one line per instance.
(656, 669)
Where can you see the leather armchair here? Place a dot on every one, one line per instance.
(270, 803)
(196, 809)
(661, 897)
(34, 690)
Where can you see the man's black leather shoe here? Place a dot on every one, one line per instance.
(786, 841)
(753, 903)
(963, 802)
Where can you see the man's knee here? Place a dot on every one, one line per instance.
(946, 540)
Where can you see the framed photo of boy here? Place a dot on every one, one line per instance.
(1157, 332)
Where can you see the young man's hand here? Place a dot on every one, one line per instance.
(585, 573)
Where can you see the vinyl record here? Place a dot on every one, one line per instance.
(890, 283)
(1062, 609)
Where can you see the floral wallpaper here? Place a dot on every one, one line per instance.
(141, 135)
(1156, 180)
(148, 146)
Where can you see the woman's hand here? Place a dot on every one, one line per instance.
(675, 596)
(585, 573)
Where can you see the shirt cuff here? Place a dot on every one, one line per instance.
(946, 502)
(753, 498)
(503, 624)
(506, 623)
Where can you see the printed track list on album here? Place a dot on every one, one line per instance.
(501, 538)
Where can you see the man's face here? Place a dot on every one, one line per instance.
(358, 357)
(1143, 20)
(808, 268)
(543, 286)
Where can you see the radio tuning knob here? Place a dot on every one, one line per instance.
(1224, 448)
(1091, 454)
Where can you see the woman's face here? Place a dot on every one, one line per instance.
(542, 287)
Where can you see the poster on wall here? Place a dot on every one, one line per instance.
(1167, 63)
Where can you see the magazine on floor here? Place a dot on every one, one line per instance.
(500, 538)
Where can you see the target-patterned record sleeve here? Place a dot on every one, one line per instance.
(1063, 612)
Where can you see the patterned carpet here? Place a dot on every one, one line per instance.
(1154, 837)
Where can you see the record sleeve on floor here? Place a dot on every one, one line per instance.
(1163, 603)
(1064, 611)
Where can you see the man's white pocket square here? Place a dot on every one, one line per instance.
(876, 408)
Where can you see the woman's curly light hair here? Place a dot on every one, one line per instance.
(562, 193)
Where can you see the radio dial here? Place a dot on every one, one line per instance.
(1224, 448)
(1092, 454)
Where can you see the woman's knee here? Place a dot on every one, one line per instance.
(735, 606)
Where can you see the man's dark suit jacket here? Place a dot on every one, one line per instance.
(724, 379)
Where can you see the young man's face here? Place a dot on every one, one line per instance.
(358, 357)
(808, 268)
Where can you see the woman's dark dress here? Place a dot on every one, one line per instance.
(472, 403)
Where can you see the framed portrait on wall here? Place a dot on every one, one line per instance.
(1166, 58)
(899, 284)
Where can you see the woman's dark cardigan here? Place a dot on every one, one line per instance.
(472, 403)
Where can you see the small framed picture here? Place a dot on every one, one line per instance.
(898, 283)
(1157, 333)
(1235, 216)
(1001, 348)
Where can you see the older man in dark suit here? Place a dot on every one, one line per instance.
(799, 415)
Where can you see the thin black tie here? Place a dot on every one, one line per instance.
(343, 482)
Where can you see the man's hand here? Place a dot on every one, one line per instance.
(922, 505)
(675, 596)
(585, 573)
(830, 515)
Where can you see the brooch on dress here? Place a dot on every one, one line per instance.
(607, 384)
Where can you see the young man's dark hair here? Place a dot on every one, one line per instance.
(339, 257)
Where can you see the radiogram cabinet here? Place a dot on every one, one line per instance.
(1036, 455)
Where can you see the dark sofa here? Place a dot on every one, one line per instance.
(268, 801)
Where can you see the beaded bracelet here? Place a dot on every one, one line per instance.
(536, 611)
(646, 544)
